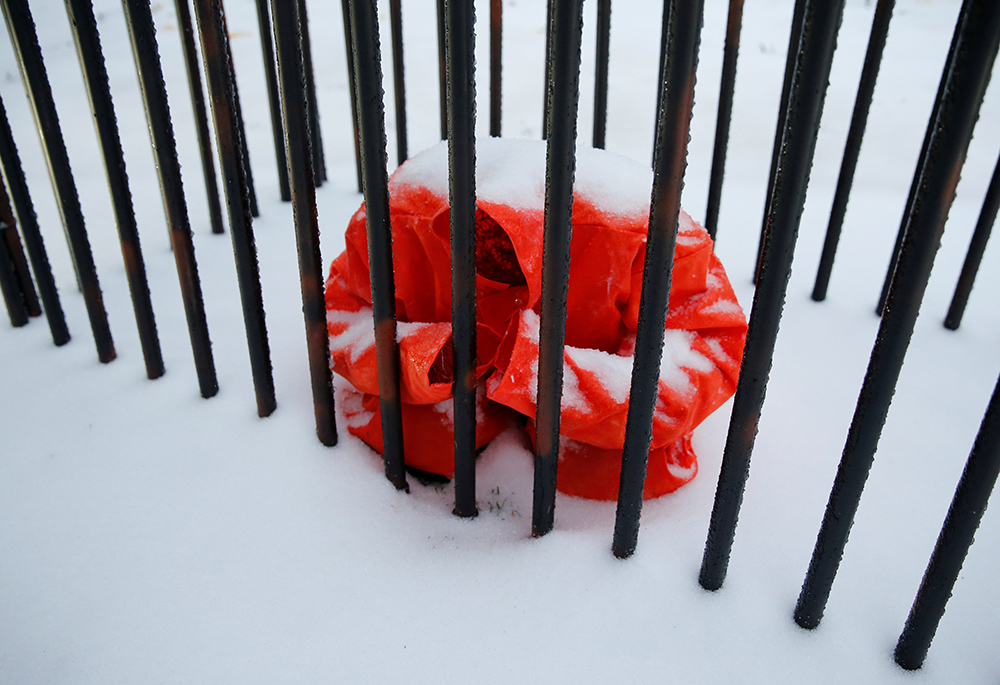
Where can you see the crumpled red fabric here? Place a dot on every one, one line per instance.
(704, 337)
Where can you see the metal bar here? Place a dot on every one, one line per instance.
(193, 67)
(242, 145)
(398, 81)
(33, 243)
(29, 58)
(319, 158)
(564, 90)
(963, 87)
(793, 51)
(866, 89)
(442, 69)
(23, 285)
(88, 45)
(671, 145)
(977, 247)
(368, 61)
(15, 297)
(273, 98)
(303, 194)
(225, 114)
(601, 75)
(460, 17)
(661, 71)
(147, 63)
(956, 537)
(549, 27)
(496, 66)
(814, 47)
(354, 90)
(730, 54)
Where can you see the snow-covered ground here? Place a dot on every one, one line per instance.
(148, 535)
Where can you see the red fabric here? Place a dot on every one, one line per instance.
(705, 333)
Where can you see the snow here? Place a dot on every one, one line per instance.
(148, 535)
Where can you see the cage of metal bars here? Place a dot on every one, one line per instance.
(298, 150)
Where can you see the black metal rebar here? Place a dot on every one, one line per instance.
(23, 290)
(193, 67)
(367, 61)
(727, 88)
(661, 69)
(668, 178)
(815, 44)
(963, 88)
(546, 106)
(974, 256)
(564, 94)
(442, 69)
(17, 308)
(793, 51)
(496, 66)
(88, 45)
(866, 89)
(460, 18)
(273, 98)
(319, 158)
(601, 72)
(953, 543)
(242, 145)
(225, 110)
(398, 80)
(354, 91)
(303, 196)
(139, 19)
(21, 27)
(10, 163)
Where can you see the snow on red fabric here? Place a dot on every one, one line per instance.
(704, 337)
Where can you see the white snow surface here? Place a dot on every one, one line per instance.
(150, 536)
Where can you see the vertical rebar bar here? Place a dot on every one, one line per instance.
(948, 134)
(564, 94)
(866, 89)
(303, 196)
(661, 70)
(812, 55)
(668, 173)
(442, 69)
(460, 18)
(601, 72)
(730, 54)
(225, 110)
(354, 91)
(193, 68)
(147, 63)
(319, 158)
(953, 543)
(21, 27)
(273, 98)
(88, 45)
(243, 146)
(496, 66)
(24, 287)
(10, 163)
(548, 69)
(974, 256)
(367, 61)
(398, 80)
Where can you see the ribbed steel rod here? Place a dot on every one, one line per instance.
(496, 66)
(225, 109)
(88, 45)
(273, 98)
(978, 37)
(564, 91)
(193, 66)
(368, 61)
(10, 163)
(10, 287)
(601, 72)
(546, 107)
(730, 53)
(442, 68)
(460, 17)
(319, 158)
(813, 55)
(793, 51)
(147, 62)
(866, 89)
(354, 91)
(956, 537)
(661, 70)
(242, 146)
(918, 176)
(23, 290)
(303, 196)
(29, 58)
(974, 256)
(671, 144)
(398, 79)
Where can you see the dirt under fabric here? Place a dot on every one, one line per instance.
(704, 336)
